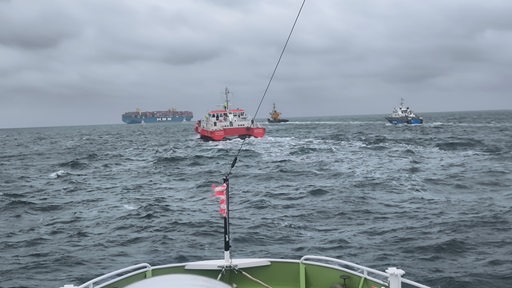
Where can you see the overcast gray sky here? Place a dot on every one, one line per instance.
(85, 62)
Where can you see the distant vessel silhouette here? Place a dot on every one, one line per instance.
(171, 115)
(403, 115)
(275, 116)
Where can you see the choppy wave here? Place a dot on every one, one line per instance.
(433, 199)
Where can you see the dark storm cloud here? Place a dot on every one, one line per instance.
(102, 58)
(25, 26)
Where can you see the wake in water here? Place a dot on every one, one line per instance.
(434, 199)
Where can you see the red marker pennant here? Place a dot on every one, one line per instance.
(220, 191)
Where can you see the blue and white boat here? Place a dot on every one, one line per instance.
(404, 115)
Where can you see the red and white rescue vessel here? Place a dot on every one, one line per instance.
(228, 123)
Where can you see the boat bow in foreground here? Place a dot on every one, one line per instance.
(309, 271)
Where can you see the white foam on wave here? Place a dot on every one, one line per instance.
(57, 174)
(129, 206)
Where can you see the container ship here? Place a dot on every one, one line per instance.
(171, 115)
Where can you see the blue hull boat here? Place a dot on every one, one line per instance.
(403, 115)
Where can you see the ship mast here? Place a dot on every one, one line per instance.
(226, 103)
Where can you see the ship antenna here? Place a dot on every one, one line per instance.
(227, 245)
(226, 104)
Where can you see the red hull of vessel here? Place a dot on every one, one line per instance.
(227, 123)
(235, 132)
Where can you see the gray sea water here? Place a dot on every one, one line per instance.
(434, 200)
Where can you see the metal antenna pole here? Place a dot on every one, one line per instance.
(227, 245)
